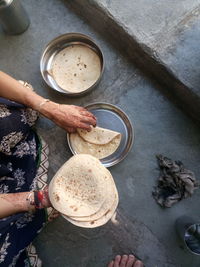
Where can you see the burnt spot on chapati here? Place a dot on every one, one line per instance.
(92, 222)
(57, 198)
(74, 208)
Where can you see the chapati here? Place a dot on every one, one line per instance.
(101, 144)
(108, 203)
(80, 186)
(76, 68)
(99, 222)
(98, 135)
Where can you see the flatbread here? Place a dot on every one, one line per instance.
(76, 68)
(108, 203)
(98, 135)
(99, 222)
(99, 151)
(80, 186)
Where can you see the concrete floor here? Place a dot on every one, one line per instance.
(143, 227)
(162, 37)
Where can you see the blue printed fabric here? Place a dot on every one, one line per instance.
(19, 159)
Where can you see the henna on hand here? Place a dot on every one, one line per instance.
(69, 117)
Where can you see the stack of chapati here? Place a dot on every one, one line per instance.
(84, 191)
(99, 142)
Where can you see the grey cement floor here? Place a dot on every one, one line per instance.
(143, 227)
(162, 37)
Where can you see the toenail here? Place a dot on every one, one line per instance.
(125, 256)
(124, 259)
(118, 257)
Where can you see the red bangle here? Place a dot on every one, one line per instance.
(38, 197)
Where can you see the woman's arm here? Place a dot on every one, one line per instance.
(68, 117)
(13, 203)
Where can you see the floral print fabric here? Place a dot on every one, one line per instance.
(19, 154)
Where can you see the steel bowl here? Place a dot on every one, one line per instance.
(58, 44)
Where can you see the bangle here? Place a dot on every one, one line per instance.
(42, 103)
(30, 202)
(27, 85)
(34, 200)
(38, 198)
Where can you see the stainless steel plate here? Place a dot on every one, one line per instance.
(58, 44)
(111, 117)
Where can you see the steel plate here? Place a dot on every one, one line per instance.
(111, 117)
(58, 44)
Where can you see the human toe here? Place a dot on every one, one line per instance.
(123, 261)
(117, 261)
(111, 264)
(138, 263)
(130, 261)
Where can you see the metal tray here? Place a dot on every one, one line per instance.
(111, 117)
(58, 44)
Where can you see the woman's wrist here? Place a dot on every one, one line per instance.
(48, 108)
(37, 200)
(43, 105)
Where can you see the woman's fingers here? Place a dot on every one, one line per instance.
(88, 120)
(83, 125)
(85, 112)
(88, 114)
(71, 117)
(70, 129)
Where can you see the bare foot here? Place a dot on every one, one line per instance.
(125, 261)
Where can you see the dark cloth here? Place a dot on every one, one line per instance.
(19, 158)
(174, 183)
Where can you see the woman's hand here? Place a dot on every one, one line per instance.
(69, 117)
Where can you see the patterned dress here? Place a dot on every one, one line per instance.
(23, 163)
